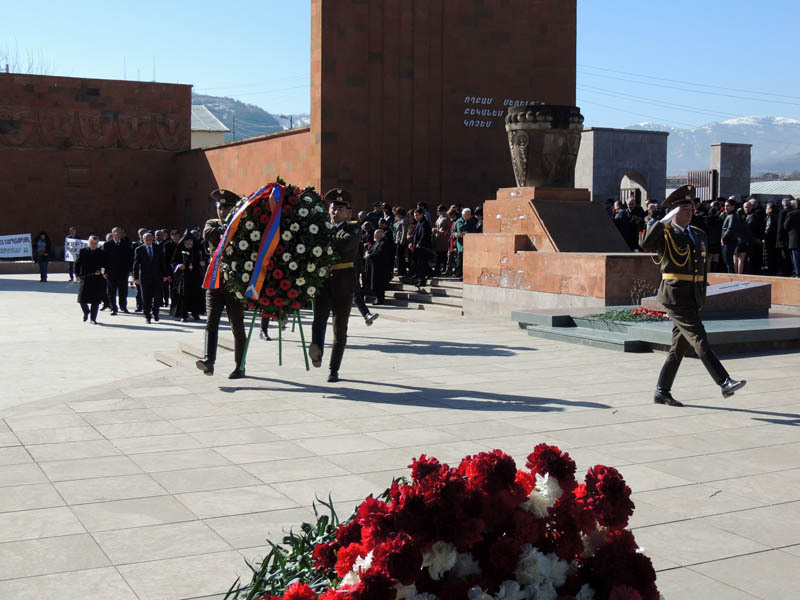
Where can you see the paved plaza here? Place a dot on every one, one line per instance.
(122, 478)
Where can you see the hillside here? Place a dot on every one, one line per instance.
(247, 120)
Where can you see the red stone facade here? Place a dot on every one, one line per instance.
(89, 153)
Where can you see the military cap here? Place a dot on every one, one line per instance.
(225, 198)
(683, 195)
(338, 197)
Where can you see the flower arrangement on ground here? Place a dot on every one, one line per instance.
(483, 530)
(640, 313)
(277, 249)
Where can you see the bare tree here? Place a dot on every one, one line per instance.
(14, 60)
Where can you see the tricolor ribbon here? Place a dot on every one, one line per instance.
(269, 241)
(212, 280)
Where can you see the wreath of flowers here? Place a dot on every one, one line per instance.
(301, 260)
(480, 531)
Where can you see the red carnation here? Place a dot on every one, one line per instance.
(270, 265)
(375, 585)
(279, 302)
(527, 528)
(277, 274)
(617, 564)
(349, 533)
(270, 291)
(324, 556)
(624, 592)
(264, 219)
(295, 305)
(293, 200)
(257, 211)
(299, 591)
(287, 209)
(279, 249)
(400, 558)
(503, 556)
(550, 459)
(423, 466)
(490, 471)
(292, 293)
(610, 497)
(285, 284)
(346, 558)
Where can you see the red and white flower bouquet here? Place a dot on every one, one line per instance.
(483, 530)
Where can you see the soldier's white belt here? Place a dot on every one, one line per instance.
(682, 277)
(347, 265)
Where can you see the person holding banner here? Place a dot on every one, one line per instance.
(90, 272)
(219, 298)
(73, 233)
(42, 249)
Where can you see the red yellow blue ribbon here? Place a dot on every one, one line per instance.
(269, 241)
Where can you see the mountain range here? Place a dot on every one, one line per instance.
(247, 120)
(775, 140)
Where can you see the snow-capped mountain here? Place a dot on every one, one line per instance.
(775, 140)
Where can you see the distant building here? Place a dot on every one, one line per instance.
(207, 130)
(775, 191)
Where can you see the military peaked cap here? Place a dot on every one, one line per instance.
(683, 195)
(338, 197)
(225, 198)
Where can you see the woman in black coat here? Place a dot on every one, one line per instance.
(90, 272)
(188, 269)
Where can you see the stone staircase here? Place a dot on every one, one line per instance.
(441, 294)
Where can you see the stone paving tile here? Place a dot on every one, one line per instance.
(157, 443)
(685, 583)
(341, 444)
(205, 479)
(32, 423)
(7, 438)
(87, 468)
(131, 430)
(73, 450)
(40, 523)
(141, 544)
(14, 455)
(13, 475)
(105, 489)
(771, 575)
(250, 453)
(235, 501)
(154, 392)
(27, 497)
(314, 429)
(154, 462)
(136, 512)
(90, 584)
(50, 555)
(768, 488)
(254, 529)
(185, 577)
(55, 436)
(234, 437)
(109, 417)
(773, 526)
(86, 406)
(282, 417)
(212, 423)
(294, 469)
(343, 488)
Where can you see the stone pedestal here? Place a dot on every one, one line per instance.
(744, 298)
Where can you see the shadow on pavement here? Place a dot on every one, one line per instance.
(789, 418)
(441, 347)
(457, 399)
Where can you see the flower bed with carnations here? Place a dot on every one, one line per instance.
(292, 274)
(638, 314)
(483, 530)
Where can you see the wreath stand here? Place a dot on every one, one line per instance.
(296, 321)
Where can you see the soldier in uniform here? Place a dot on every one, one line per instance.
(337, 294)
(681, 251)
(219, 299)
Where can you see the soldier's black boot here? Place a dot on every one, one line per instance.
(337, 352)
(209, 354)
(720, 375)
(664, 385)
(237, 373)
(729, 386)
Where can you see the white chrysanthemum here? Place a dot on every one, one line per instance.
(543, 495)
(328, 224)
(312, 291)
(540, 573)
(294, 227)
(286, 235)
(254, 256)
(239, 295)
(313, 228)
(510, 590)
(329, 250)
(323, 271)
(409, 592)
(286, 257)
(300, 248)
(303, 211)
(243, 245)
(316, 251)
(234, 264)
(319, 209)
(585, 593)
(308, 199)
(466, 565)
(255, 236)
(439, 559)
(477, 593)
(300, 281)
(229, 250)
(293, 266)
(248, 266)
(249, 225)
(245, 277)
(311, 267)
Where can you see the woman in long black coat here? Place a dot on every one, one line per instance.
(90, 272)
(188, 269)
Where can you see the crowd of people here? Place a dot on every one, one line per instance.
(753, 237)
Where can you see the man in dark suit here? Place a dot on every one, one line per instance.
(682, 251)
(149, 272)
(169, 245)
(336, 296)
(379, 258)
(421, 247)
(119, 258)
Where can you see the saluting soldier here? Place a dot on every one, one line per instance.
(220, 298)
(337, 294)
(681, 251)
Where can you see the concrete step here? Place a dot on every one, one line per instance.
(451, 292)
(445, 309)
(609, 340)
(546, 318)
(427, 299)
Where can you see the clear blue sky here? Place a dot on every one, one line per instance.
(679, 62)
